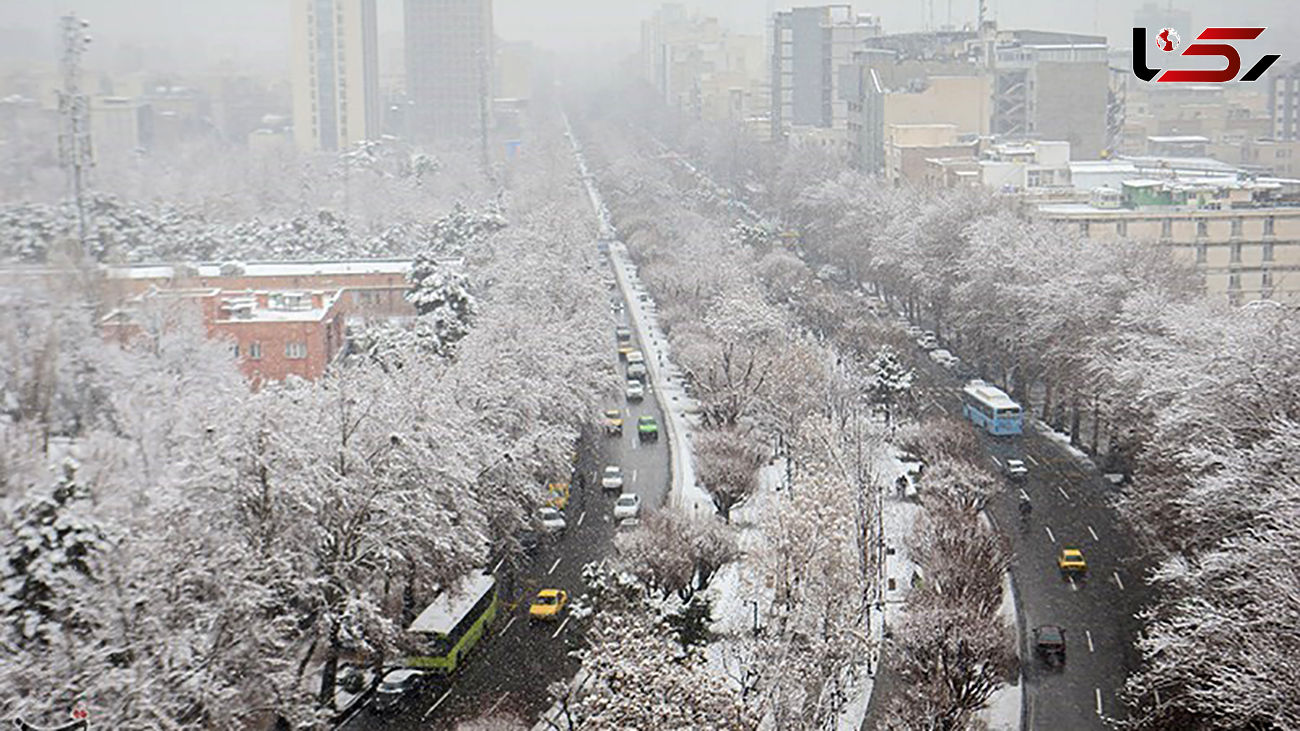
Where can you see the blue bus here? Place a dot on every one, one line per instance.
(989, 407)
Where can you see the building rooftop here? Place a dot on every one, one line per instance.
(261, 268)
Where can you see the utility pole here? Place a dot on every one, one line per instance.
(74, 121)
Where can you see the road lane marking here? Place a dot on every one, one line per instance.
(1064, 494)
(507, 627)
(601, 565)
(437, 703)
(1098, 691)
(1030, 457)
(996, 463)
(557, 563)
(1073, 584)
(1050, 537)
(498, 703)
(634, 475)
(498, 566)
(581, 517)
(1089, 635)
(561, 627)
(1094, 534)
(1024, 495)
(1117, 581)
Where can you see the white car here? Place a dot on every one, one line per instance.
(914, 331)
(1016, 469)
(627, 506)
(927, 341)
(636, 371)
(635, 391)
(613, 478)
(395, 686)
(552, 520)
(628, 524)
(944, 358)
(636, 356)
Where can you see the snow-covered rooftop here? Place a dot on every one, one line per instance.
(263, 268)
(446, 611)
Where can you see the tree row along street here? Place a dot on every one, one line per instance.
(1072, 507)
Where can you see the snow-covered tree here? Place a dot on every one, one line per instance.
(888, 380)
(726, 464)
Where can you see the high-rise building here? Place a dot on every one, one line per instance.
(809, 46)
(1284, 103)
(335, 73)
(448, 67)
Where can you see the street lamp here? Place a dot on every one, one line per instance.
(754, 602)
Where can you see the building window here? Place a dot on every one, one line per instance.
(1236, 252)
(1236, 226)
(1234, 282)
(1202, 229)
(1268, 226)
(1201, 253)
(295, 350)
(1083, 227)
(1167, 228)
(255, 351)
(235, 350)
(1267, 251)
(1121, 228)
(1266, 280)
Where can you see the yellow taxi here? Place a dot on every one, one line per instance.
(613, 422)
(557, 495)
(1071, 561)
(548, 604)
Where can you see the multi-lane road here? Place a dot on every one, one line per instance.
(1071, 508)
(510, 669)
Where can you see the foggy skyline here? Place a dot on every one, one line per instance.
(253, 34)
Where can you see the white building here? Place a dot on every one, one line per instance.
(335, 72)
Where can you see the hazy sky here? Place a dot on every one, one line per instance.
(185, 34)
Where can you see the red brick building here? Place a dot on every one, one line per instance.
(274, 334)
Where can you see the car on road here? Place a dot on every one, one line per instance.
(613, 423)
(557, 495)
(635, 356)
(629, 524)
(636, 371)
(635, 392)
(647, 429)
(397, 684)
(914, 331)
(1016, 469)
(1071, 561)
(612, 479)
(628, 505)
(548, 604)
(944, 358)
(552, 520)
(624, 334)
(1049, 644)
(624, 349)
(927, 341)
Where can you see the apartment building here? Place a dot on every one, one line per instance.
(1243, 236)
(449, 68)
(334, 70)
(809, 47)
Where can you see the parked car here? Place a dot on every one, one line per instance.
(1071, 561)
(628, 505)
(914, 331)
(624, 334)
(927, 341)
(552, 520)
(1016, 469)
(396, 685)
(1049, 644)
(613, 422)
(941, 356)
(635, 392)
(548, 604)
(628, 524)
(647, 428)
(612, 479)
(635, 356)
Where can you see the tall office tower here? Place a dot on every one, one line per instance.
(335, 73)
(809, 45)
(448, 67)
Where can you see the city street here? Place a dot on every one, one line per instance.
(509, 671)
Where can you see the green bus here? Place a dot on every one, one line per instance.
(454, 622)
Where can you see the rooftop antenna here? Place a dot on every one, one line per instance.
(74, 120)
